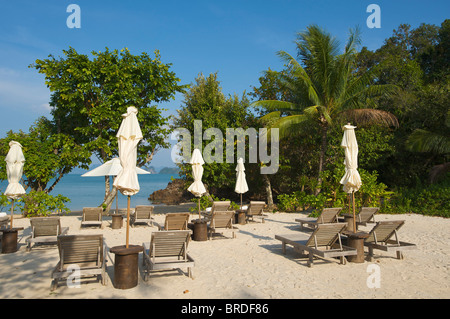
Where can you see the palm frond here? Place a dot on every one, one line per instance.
(426, 141)
(275, 105)
(269, 118)
(370, 116)
(439, 171)
(290, 125)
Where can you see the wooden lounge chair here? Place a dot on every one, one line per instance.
(221, 206)
(327, 216)
(45, 230)
(380, 238)
(175, 221)
(167, 250)
(4, 221)
(142, 215)
(256, 209)
(364, 217)
(222, 222)
(92, 216)
(325, 242)
(86, 254)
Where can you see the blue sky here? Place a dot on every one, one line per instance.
(237, 39)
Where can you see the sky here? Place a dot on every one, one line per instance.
(236, 39)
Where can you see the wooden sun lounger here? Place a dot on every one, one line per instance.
(142, 215)
(175, 221)
(256, 209)
(222, 222)
(218, 206)
(364, 217)
(84, 253)
(92, 216)
(4, 221)
(45, 230)
(167, 250)
(380, 238)
(327, 216)
(324, 242)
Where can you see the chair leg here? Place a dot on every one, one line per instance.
(310, 260)
(400, 255)
(54, 285)
(370, 255)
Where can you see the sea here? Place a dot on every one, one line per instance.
(90, 191)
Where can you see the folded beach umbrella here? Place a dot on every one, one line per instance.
(197, 188)
(241, 183)
(14, 169)
(129, 135)
(351, 179)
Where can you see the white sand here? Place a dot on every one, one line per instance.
(249, 266)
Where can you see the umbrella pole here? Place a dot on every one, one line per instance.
(199, 216)
(128, 220)
(12, 215)
(117, 202)
(354, 215)
(241, 201)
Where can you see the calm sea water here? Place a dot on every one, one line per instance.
(90, 191)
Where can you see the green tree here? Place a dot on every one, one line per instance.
(324, 89)
(432, 142)
(205, 101)
(90, 95)
(48, 155)
(416, 62)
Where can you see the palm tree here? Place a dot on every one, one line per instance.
(430, 142)
(324, 88)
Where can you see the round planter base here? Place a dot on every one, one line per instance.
(126, 266)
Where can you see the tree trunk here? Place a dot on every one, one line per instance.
(268, 187)
(107, 187)
(109, 200)
(323, 150)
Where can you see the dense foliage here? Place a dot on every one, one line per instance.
(397, 96)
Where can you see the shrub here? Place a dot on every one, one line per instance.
(39, 203)
(371, 193)
(431, 200)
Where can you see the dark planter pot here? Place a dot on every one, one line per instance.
(200, 232)
(9, 240)
(126, 266)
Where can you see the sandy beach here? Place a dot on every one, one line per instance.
(250, 266)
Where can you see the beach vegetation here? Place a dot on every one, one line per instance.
(89, 94)
(324, 90)
(405, 159)
(49, 155)
(40, 203)
(205, 101)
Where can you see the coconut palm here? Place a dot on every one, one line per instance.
(324, 88)
(430, 142)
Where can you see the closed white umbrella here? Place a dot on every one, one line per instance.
(14, 169)
(351, 179)
(111, 168)
(129, 135)
(241, 184)
(197, 188)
